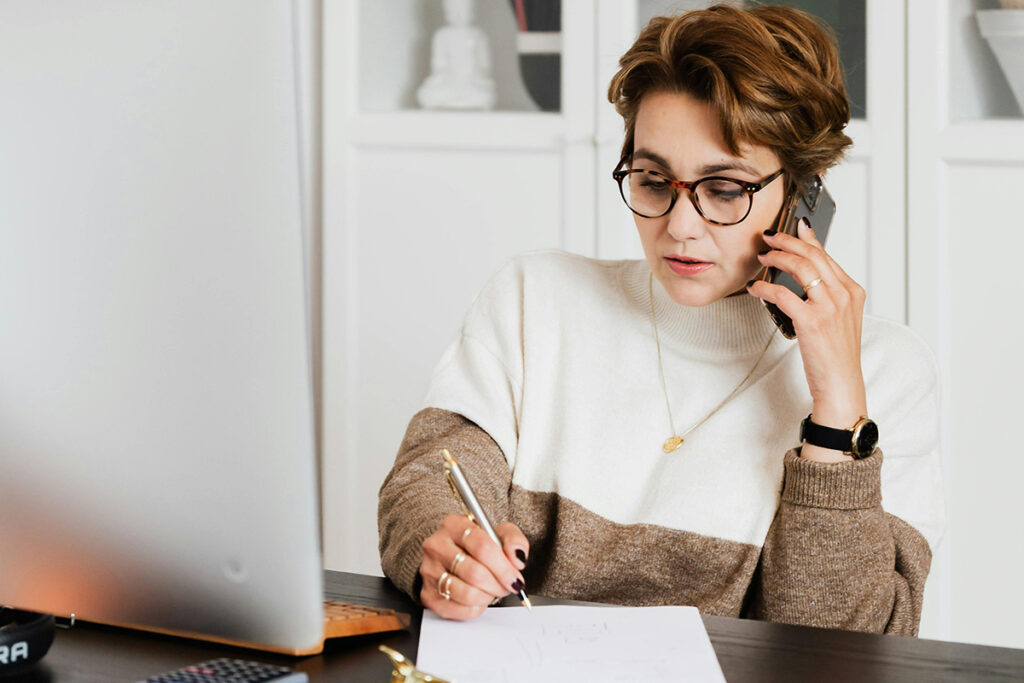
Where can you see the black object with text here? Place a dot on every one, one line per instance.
(24, 638)
(811, 201)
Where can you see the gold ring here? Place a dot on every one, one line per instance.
(459, 557)
(466, 533)
(444, 585)
(812, 284)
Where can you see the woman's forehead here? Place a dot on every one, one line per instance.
(683, 134)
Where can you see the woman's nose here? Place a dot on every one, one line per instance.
(684, 221)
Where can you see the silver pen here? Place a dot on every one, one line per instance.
(471, 506)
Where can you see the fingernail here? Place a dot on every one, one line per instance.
(770, 232)
(521, 555)
(518, 585)
(749, 283)
(764, 251)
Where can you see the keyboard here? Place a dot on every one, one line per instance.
(348, 619)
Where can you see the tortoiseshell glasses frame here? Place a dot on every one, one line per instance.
(746, 188)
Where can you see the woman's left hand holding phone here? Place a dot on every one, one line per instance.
(828, 326)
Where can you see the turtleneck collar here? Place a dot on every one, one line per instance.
(734, 326)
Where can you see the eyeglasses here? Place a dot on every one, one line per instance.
(720, 200)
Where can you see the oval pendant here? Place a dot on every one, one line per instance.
(672, 443)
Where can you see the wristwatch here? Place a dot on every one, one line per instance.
(859, 441)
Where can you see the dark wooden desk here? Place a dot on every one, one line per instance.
(747, 650)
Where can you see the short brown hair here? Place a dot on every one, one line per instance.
(772, 73)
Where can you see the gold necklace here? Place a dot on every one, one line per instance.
(676, 440)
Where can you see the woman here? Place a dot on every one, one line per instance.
(562, 395)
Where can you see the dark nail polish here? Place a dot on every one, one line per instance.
(749, 283)
(764, 251)
(521, 555)
(769, 232)
(518, 586)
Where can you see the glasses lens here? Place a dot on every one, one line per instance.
(723, 201)
(646, 193)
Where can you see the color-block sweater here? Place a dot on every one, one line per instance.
(550, 397)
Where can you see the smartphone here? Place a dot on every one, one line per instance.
(810, 201)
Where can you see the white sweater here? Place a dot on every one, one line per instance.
(556, 360)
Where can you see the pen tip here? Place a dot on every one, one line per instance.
(527, 603)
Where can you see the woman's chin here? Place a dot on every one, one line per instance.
(695, 294)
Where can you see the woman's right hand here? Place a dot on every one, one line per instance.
(486, 573)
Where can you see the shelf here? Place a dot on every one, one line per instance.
(478, 130)
(998, 140)
(978, 88)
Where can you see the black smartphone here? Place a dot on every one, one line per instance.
(810, 201)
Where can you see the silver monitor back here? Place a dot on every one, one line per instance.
(157, 464)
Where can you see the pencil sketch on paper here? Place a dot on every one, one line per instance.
(561, 642)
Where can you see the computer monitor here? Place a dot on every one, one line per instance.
(157, 455)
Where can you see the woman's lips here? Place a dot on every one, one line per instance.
(688, 267)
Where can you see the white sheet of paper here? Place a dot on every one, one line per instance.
(569, 642)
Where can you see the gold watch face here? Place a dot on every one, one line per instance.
(865, 438)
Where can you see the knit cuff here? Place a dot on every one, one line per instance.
(403, 566)
(404, 575)
(853, 485)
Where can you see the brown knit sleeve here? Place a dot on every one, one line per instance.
(415, 496)
(834, 558)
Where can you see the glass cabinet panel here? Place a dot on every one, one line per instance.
(401, 42)
(847, 18)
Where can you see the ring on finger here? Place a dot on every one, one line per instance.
(812, 284)
(467, 532)
(459, 557)
(444, 585)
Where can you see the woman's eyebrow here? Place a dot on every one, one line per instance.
(652, 156)
(706, 170)
(729, 165)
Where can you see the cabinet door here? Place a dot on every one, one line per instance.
(420, 208)
(966, 168)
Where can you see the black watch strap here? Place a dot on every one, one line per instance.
(845, 440)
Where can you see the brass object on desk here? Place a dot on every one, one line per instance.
(405, 671)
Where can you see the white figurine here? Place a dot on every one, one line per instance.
(460, 63)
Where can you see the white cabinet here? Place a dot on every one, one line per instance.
(965, 235)
(419, 208)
